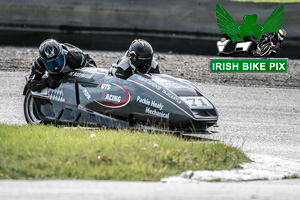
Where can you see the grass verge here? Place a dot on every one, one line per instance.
(47, 152)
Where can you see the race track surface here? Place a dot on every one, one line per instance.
(112, 190)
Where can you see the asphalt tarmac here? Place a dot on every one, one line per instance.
(112, 190)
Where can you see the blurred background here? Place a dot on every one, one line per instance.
(177, 26)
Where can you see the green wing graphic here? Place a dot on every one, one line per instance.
(274, 21)
(227, 24)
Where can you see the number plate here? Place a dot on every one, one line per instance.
(197, 102)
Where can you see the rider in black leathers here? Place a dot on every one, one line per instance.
(137, 59)
(56, 59)
(273, 40)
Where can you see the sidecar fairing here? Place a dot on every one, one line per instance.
(91, 97)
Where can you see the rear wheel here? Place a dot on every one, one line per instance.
(30, 110)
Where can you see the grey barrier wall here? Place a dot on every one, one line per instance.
(179, 25)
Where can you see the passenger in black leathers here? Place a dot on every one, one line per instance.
(137, 59)
(56, 59)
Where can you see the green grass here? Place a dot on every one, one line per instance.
(293, 176)
(269, 1)
(47, 152)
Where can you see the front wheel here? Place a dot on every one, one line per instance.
(30, 110)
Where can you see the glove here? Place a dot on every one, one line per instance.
(37, 85)
(53, 82)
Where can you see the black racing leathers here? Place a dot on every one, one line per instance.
(75, 58)
(124, 69)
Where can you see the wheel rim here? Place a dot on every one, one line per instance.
(31, 112)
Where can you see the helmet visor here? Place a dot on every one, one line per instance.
(56, 63)
(143, 65)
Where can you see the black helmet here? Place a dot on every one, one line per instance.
(52, 55)
(281, 34)
(140, 54)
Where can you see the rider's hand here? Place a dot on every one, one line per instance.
(53, 82)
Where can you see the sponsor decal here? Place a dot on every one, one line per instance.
(104, 86)
(112, 100)
(52, 94)
(153, 84)
(157, 113)
(143, 100)
(86, 94)
(111, 97)
(103, 95)
(149, 103)
(56, 94)
(99, 84)
(149, 82)
(172, 96)
(142, 79)
(157, 105)
(81, 75)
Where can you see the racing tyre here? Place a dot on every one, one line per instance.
(30, 110)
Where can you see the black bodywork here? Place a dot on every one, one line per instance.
(91, 97)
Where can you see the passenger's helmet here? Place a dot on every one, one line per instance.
(52, 55)
(141, 54)
(281, 34)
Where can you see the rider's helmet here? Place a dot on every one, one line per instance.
(281, 34)
(52, 55)
(140, 54)
(225, 37)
